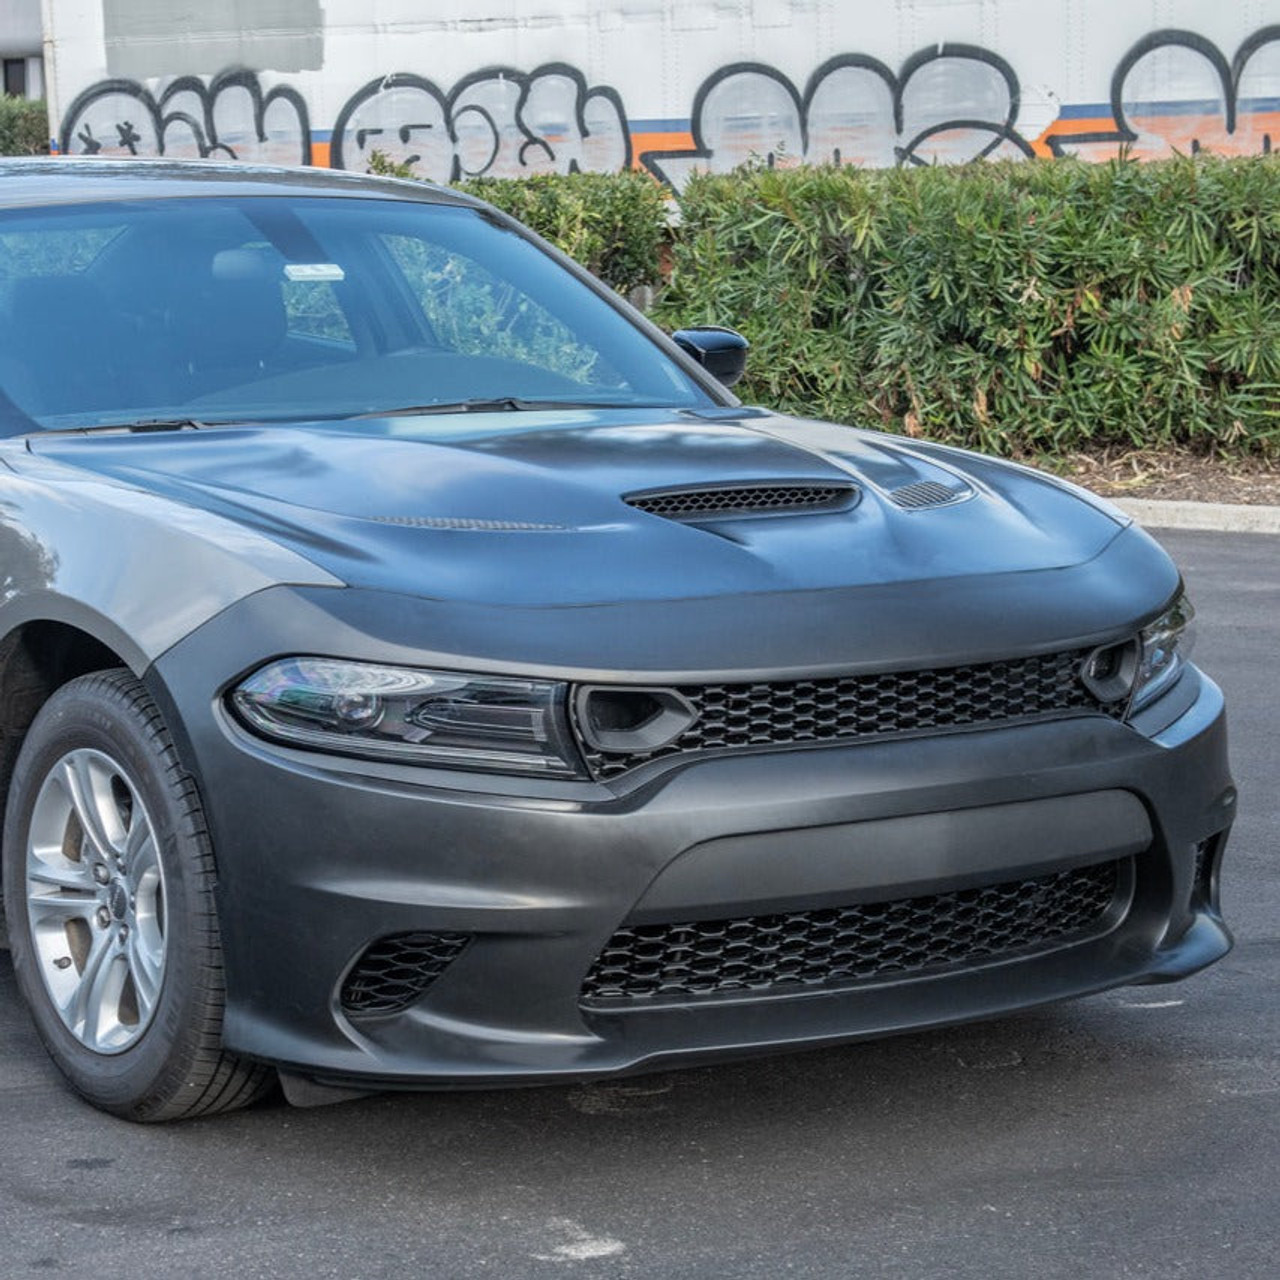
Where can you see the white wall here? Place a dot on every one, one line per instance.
(673, 84)
(19, 28)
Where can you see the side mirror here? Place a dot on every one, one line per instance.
(721, 352)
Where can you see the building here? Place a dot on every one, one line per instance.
(21, 53)
(512, 87)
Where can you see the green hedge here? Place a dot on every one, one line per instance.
(612, 223)
(24, 127)
(1024, 308)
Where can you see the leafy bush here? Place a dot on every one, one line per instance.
(24, 127)
(1022, 308)
(612, 223)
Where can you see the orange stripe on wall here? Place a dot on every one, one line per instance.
(1176, 129)
(678, 140)
(1064, 128)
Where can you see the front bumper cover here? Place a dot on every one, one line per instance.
(319, 857)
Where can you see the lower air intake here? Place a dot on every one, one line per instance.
(397, 970)
(659, 963)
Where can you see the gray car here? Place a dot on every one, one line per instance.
(419, 671)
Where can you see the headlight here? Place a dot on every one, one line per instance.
(444, 718)
(1166, 646)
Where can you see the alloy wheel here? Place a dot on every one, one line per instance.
(96, 901)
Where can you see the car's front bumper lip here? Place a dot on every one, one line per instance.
(319, 858)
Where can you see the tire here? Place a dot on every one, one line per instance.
(108, 890)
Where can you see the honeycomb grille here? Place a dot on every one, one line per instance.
(397, 970)
(732, 717)
(842, 945)
(743, 500)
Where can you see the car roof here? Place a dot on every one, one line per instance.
(27, 182)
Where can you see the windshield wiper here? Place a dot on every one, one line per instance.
(140, 427)
(499, 404)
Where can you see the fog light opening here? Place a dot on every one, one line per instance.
(619, 719)
(1109, 671)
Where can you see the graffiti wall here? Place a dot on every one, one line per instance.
(667, 85)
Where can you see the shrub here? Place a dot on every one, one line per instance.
(1022, 308)
(24, 127)
(612, 223)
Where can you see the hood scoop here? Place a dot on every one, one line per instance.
(929, 493)
(746, 499)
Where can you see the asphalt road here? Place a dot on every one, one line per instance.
(1131, 1134)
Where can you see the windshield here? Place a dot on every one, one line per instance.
(279, 308)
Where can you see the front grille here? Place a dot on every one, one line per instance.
(842, 945)
(725, 501)
(397, 970)
(732, 717)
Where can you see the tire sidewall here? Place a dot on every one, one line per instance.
(100, 716)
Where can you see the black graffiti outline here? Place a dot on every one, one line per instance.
(1229, 75)
(1002, 133)
(396, 80)
(204, 131)
(652, 160)
(524, 80)
(895, 83)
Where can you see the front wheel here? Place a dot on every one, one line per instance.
(108, 889)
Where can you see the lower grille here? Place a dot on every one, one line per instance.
(397, 970)
(837, 945)
(1203, 889)
(733, 717)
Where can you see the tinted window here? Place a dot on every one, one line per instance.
(280, 308)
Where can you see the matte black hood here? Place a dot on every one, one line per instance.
(528, 508)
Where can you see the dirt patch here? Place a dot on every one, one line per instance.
(1173, 475)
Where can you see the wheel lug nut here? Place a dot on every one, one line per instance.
(62, 962)
(100, 873)
(104, 917)
(123, 935)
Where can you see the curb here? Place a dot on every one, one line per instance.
(1219, 517)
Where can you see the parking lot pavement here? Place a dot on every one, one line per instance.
(1133, 1134)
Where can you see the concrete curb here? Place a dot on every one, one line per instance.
(1222, 517)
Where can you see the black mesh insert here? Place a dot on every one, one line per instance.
(743, 500)
(928, 493)
(397, 970)
(840, 945)
(738, 716)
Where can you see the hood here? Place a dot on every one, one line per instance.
(531, 508)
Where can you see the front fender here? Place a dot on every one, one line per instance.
(135, 570)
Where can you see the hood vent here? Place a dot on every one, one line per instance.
(735, 501)
(469, 524)
(929, 493)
